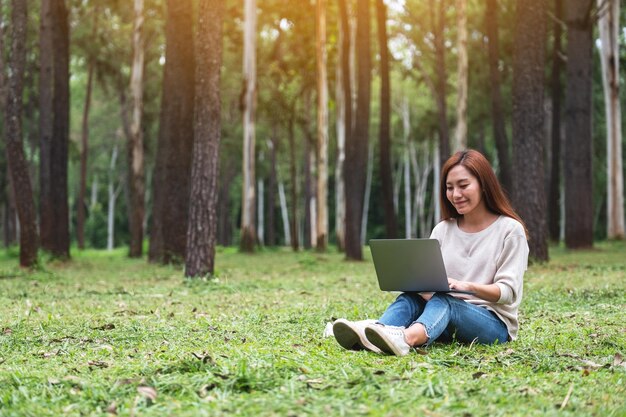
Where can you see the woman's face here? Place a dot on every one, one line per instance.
(463, 190)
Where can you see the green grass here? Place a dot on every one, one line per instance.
(88, 336)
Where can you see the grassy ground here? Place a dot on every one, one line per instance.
(108, 335)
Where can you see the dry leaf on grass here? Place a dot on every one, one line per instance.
(148, 392)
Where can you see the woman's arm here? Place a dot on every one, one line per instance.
(488, 292)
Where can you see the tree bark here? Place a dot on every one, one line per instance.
(369, 171)
(80, 206)
(406, 127)
(248, 235)
(322, 131)
(385, 124)
(284, 212)
(528, 122)
(356, 147)
(136, 174)
(577, 161)
(3, 81)
(113, 193)
(58, 241)
(439, 25)
(172, 171)
(609, 57)
(202, 231)
(13, 136)
(497, 112)
(460, 136)
(46, 121)
(293, 223)
(308, 232)
(344, 121)
(271, 194)
(554, 192)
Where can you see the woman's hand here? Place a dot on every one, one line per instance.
(455, 284)
(488, 292)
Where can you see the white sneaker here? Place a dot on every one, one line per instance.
(389, 339)
(351, 334)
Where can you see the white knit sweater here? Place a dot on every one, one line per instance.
(497, 254)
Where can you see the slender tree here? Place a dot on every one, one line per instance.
(344, 121)
(577, 158)
(322, 130)
(248, 235)
(497, 112)
(554, 191)
(271, 193)
(13, 136)
(80, 206)
(385, 122)
(202, 230)
(356, 148)
(609, 57)
(172, 170)
(46, 120)
(460, 135)
(528, 122)
(136, 175)
(439, 25)
(293, 220)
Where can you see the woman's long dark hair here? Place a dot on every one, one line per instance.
(493, 194)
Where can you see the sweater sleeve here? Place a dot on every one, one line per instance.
(511, 265)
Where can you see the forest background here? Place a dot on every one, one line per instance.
(108, 122)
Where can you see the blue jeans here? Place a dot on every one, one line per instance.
(445, 317)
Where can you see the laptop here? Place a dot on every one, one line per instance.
(410, 265)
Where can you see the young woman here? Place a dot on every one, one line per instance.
(484, 247)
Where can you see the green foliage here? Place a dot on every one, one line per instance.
(110, 334)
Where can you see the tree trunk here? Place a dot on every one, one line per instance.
(172, 172)
(3, 81)
(202, 231)
(406, 125)
(321, 238)
(80, 206)
(577, 161)
(248, 237)
(344, 121)
(46, 121)
(528, 122)
(13, 136)
(271, 194)
(385, 122)
(284, 212)
(439, 25)
(460, 136)
(609, 56)
(136, 175)
(356, 147)
(497, 112)
(554, 193)
(309, 232)
(261, 211)
(368, 191)
(293, 224)
(58, 242)
(113, 193)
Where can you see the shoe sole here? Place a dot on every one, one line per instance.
(382, 342)
(349, 338)
(346, 336)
